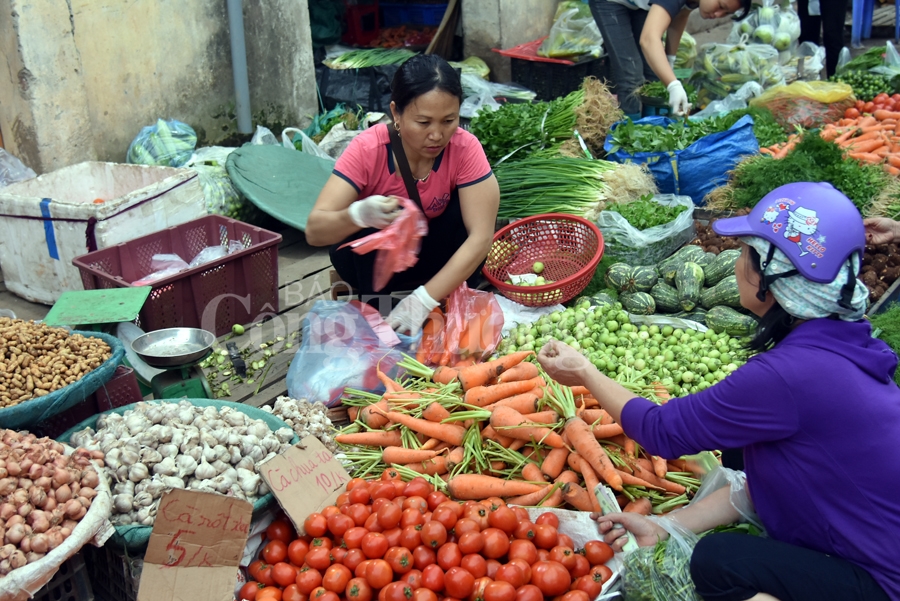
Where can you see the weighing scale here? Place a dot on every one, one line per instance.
(94, 309)
(177, 351)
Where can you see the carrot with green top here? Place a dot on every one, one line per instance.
(447, 432)
(523, 403)
(482, 373)
(581, 435)
(513, 424)
(481, 396)
(523, 371)
(435, 412)
(532, 473)
(430, 467)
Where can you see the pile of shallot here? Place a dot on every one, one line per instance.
(43, 495)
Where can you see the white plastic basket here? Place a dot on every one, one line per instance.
(47, 221)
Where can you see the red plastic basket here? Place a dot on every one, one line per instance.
(570, 248)
(238, 288)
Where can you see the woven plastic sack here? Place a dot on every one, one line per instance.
(397, 245)
(809, 104)
(342, 348)
(135, 537)
(574, 33)
(623, 242)
(167, 144)
(662, 572)
(720, 69)
(30, 413)
(24, 582)
(699, 168)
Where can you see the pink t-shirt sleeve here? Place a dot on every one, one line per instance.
(355, 162)
(474, 166)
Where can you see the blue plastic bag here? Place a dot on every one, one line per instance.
(699, 168)
(341, 349)
(167, 144)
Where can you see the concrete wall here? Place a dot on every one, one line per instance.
(83, 76)
(491, 24)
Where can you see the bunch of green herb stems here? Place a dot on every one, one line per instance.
(372, 57)
(535, 186)
(479, 454)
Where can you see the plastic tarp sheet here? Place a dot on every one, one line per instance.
(281, 182)
(699, 168)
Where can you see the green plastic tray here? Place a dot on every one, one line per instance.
(135, 538)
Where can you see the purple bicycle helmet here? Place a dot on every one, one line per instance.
(815, 225)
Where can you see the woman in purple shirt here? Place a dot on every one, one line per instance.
(816, 412)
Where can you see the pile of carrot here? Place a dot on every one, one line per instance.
(476, 336)
(504, 429)
(873, 139)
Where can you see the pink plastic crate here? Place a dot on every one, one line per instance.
(239, 288)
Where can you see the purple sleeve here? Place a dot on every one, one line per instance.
(753, 404)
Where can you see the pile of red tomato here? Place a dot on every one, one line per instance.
(389, 540)
(880, 102)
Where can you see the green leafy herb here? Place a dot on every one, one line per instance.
(525, 128)
(634, 138)
(813, 160)
(645, 213)
(886, 326)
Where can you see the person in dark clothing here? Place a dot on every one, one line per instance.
(829, 24)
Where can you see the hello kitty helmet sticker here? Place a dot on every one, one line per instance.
(816, 226)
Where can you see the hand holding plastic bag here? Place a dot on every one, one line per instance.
(398, 244)
(662, 572)
(474, 321)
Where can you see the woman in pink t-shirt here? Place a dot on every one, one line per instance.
(458, 191)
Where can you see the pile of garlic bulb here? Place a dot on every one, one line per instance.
(156, 447)
(306, 419)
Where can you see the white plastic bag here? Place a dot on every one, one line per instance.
(891, 65)
(12, 170)
(739, 495)
(574, 33)
(662, 572)
(263, 135)
(735, 101)
(626, 243)
(307, 144)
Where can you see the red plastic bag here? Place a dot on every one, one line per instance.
(398, 244)
(469, 330)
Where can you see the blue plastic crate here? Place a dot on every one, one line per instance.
(396, 14)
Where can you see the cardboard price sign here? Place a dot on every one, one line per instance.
(305, 478)
(195, 547)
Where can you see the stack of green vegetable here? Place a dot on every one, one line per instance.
(812, 160)
(633, 138)
(646, 213)
(566, 185)
(682, 360)
(519, 130)
(371, 57)
(691, 284)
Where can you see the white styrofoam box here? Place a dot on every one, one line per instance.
(45, 221)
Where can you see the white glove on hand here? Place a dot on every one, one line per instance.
(678, 101)
(374, 211)
(412, 311)
(671, 58)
